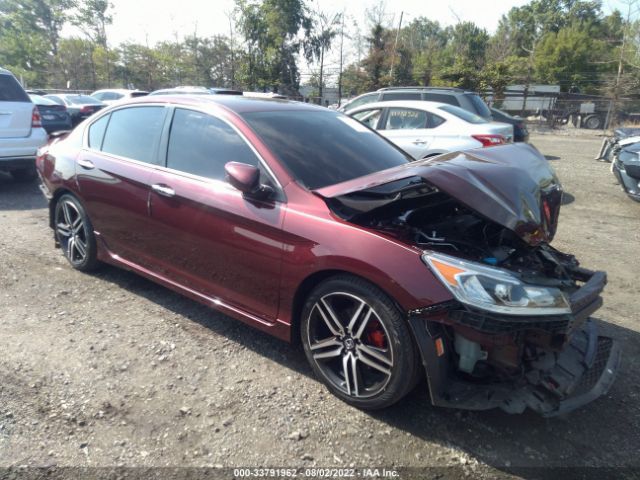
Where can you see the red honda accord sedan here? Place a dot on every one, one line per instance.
(308, 225)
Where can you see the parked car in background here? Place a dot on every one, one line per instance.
(78, 106)
(307, 225)
(54, 117)
(21, 132)
(112, 95)
(424, 129)
(457, 97)
(190, 90)
(520, 132)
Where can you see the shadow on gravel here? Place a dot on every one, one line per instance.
(605, 433)
(16, 195)
(567, 198)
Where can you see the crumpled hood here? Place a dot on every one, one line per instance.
(512, 185)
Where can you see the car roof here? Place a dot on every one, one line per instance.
(425, 105)
(235, 103)
(118, 90)
(452, 90)
(5, 72)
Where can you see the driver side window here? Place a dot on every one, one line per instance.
(201, 145)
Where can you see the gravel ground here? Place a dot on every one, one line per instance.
(111, 370)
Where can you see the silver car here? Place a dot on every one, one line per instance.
(424, 129)
(21, 132)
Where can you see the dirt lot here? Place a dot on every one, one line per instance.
(113, 370)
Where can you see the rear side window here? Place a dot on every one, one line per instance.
(401, 96)
(442, 98)
(96, 132)
(201, 145)
(406, 119)
(134, 133)
(11, 91)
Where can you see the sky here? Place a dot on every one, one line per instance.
(150, 21)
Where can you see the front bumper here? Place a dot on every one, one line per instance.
(577, 367)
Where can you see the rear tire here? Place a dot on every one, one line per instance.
(74, 233)
(358, 343)
(26, 174)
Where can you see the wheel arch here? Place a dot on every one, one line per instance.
(312, 281)
(54, 202)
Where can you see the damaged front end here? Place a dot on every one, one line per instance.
(518, 332)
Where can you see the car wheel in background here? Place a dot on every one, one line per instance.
(593, 122)
(358, 343)
(74, 233)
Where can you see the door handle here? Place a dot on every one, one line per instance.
(163, 190)
(86, 164)
(419, 141)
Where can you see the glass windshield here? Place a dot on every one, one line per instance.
(321, 148)
(463, 114)
(38, 100)
(83, 100)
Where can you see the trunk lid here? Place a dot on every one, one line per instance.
(512, 185)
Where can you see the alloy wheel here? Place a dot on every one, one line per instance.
(71, 232)
(350, 344)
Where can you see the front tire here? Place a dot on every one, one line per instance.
(74, 233)
(358, 343)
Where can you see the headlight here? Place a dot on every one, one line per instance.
(495, 289)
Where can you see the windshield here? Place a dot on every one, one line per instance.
(82, 100)
(38, 100)
(463, 114)
(321, 148)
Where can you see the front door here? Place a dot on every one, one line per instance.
(208, 236)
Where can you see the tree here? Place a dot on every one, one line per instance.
(323, 31)
(375, 62)
(272, 33)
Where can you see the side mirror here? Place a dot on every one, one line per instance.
(246, 178)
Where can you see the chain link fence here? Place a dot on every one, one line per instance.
(571, 110)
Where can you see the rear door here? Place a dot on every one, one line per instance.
(16, 109)
(409, 129)
(113, 173)
(207, 236)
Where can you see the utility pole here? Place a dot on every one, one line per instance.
(395, 46)
(341, 59)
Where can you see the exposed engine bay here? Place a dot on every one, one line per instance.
(551, 360)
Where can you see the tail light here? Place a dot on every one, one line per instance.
(490, 140)
(36, 121)
(85, 109)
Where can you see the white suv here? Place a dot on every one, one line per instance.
(21, 133)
